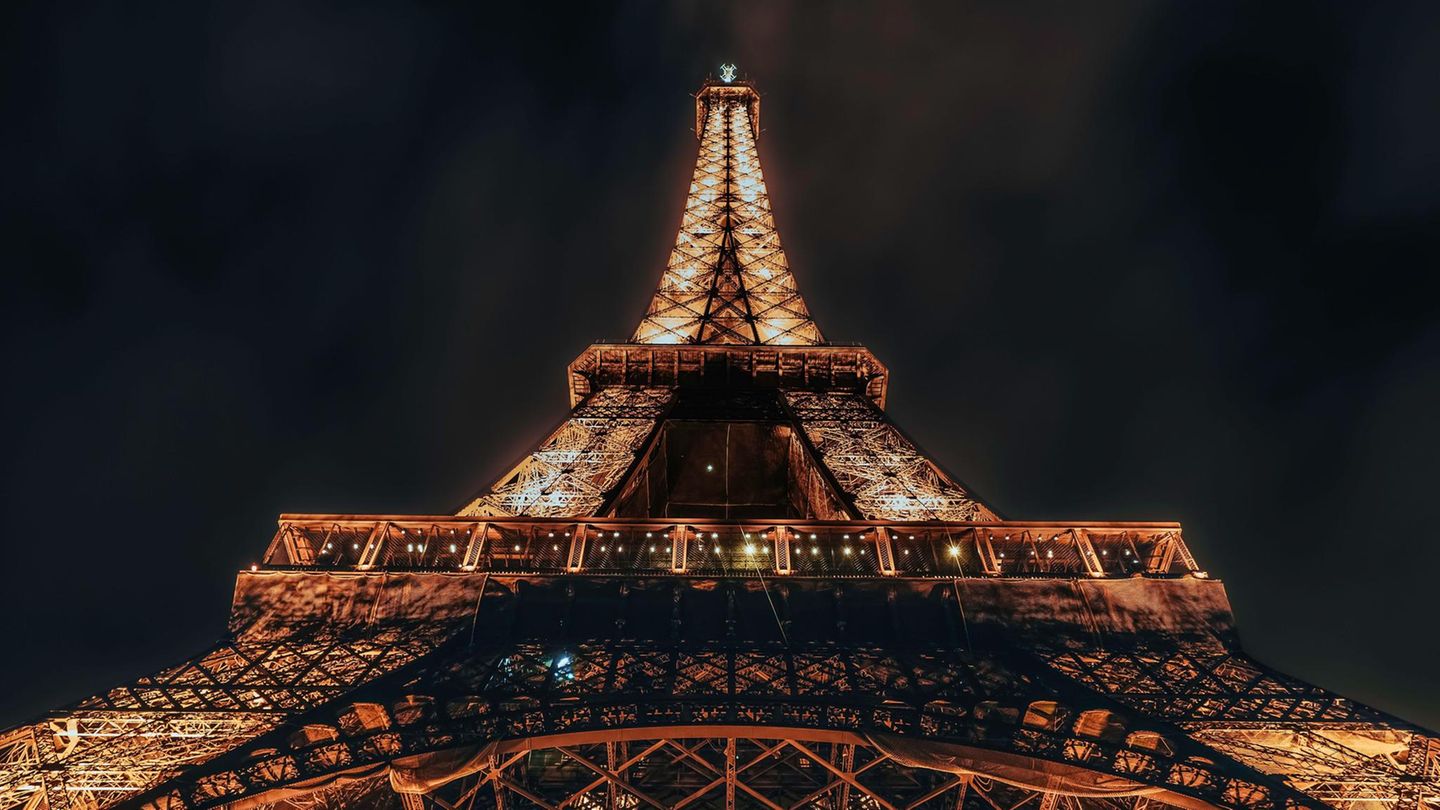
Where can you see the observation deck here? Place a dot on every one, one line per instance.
(730, 548)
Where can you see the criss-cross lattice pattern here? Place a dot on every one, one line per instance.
(1334, 749)
(724, 772)
(875, 464)
(110, 746)
(613, 691)
(571, 472)
(727, 280)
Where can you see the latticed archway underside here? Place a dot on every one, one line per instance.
(438, 678)
(941, 709)
(814, 771)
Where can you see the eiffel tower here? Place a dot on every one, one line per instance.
(726, 579)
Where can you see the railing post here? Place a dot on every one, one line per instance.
(276, 543)
(373, 544)
(884, 553)
(575, 560)
(1184, 552)
(679, 549)
(1162, 556)
(299, 553)
(1087, 553)
(985, 550)
(782, 552)
(475, 547)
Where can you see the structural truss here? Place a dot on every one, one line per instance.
(727, 280)
(572, 470)
(727, 579)
(873, 462)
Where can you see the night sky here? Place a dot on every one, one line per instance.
(1156, 260)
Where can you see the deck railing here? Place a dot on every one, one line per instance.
(729, 547)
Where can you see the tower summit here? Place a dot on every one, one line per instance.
(725, 579)
(727, 281)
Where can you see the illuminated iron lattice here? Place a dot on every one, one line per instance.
(727, 280)
(573, 469)
(706, 772)
(1332, 748)
(110, 746)
(547, 648)
(861, 701)
(876, 465)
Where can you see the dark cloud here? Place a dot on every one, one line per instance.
(1126, 261)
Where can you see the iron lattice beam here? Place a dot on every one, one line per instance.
(727, 280)
(606, 692)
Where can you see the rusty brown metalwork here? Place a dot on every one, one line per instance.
(727, 578)
(727, 281)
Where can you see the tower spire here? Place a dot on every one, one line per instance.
(727, 281)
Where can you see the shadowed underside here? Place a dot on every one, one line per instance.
(532, 689)
(726, 579)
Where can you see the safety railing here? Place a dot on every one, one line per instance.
(729, 547)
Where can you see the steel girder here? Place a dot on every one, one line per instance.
(110, 746)
(727, 280)
(881, 470)
(706, 772)
(1339, 751)
(469, 697)
(571, 472)
(272, 710)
